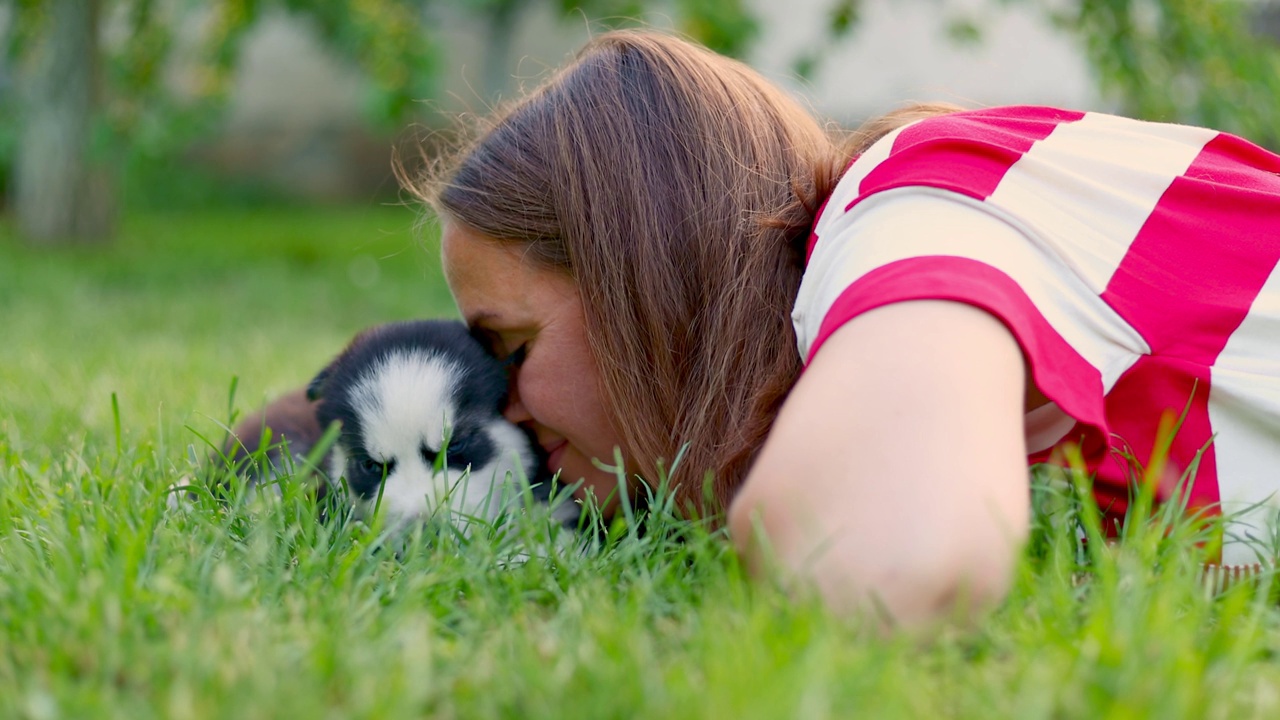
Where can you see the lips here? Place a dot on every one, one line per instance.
(554, 453)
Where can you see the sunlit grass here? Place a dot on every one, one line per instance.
(110, 606)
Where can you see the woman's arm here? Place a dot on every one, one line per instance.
(895, 477)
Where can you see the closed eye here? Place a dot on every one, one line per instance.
(516, 358)
(493, 344)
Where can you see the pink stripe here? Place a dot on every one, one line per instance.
(1154, 385)
(1186, 284)
(968, 153)
(1203, 255)
(1059, 371)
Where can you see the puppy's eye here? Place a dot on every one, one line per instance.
(374, 467)
(458, 445)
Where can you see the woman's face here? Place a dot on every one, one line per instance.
(532, 317)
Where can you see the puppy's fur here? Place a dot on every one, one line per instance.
(422, 434)
(291, 423)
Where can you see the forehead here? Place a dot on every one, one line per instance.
(491, 280)
(468, 255)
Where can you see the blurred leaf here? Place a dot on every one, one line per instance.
(1184, 61)
(805, 66)
(726, 26)
(844, 15)
(964, 31)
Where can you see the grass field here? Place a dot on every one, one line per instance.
(112, 607)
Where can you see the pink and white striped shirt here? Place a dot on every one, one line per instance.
(1135, 263)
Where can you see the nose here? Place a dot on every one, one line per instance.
(515, 412)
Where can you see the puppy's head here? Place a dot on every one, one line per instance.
(422, 434)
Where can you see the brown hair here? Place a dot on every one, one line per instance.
(677, 187)
(877, 127)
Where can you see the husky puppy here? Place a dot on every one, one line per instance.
(422, 433)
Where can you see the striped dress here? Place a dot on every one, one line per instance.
(1134, 262)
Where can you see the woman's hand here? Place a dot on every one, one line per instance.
(895, 477)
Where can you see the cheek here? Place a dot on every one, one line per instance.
(561, 391)
(543, 391)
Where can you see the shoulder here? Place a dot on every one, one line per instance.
(915, 244)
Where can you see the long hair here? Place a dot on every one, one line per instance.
(677, 188)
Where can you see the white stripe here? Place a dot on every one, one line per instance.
(1089, 186)
(1045, 426)
(1244, 411)
(913, 222)
(850, 184)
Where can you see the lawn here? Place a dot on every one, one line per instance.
(115, 362)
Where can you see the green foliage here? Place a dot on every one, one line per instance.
(25, 20)
(388, 39)
(144, 124)
(15, 38)
(842, 17)
(1183, 60)
(143, 121)
(726, 26)
(1188, 61)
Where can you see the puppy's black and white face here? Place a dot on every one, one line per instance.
(420, 406)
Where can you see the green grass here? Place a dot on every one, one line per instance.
(112, 607)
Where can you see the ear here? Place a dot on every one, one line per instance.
(315, 388)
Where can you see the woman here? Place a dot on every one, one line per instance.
(651, 236)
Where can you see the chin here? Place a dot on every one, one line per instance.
(422, 438)
(603, 484)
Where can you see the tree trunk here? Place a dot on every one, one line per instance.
(60, 193)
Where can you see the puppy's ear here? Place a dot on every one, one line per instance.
(315, 388)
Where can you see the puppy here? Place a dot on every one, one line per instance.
(422, 433)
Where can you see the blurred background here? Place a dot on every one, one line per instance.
(108, 106)
(197, 208)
